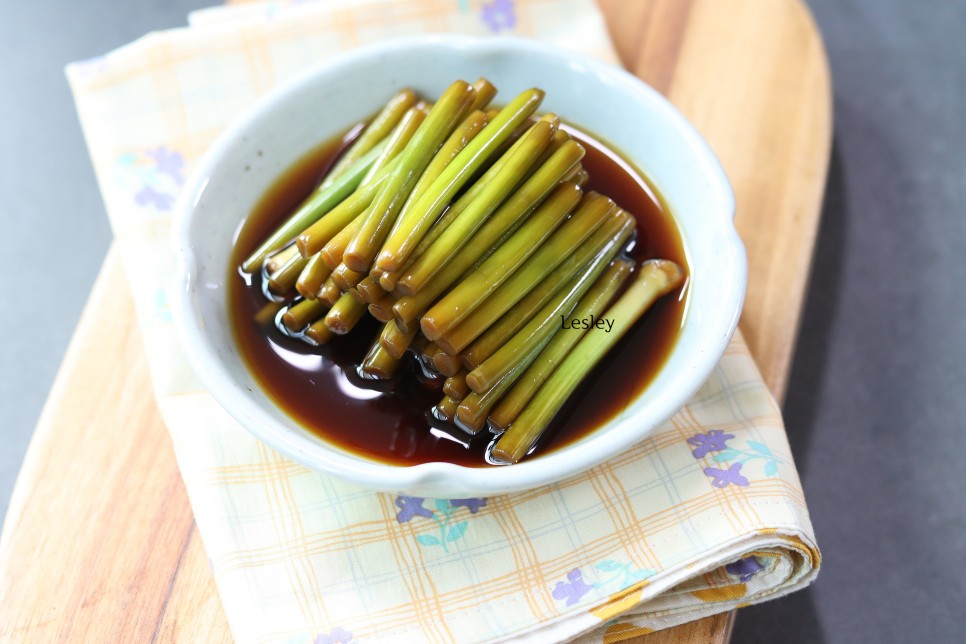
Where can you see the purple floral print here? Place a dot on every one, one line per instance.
(152, 177)
(168, 162)
(573, 589)
(337, 635)
(714, 441)
(724, 478)
(149, 196)
(410, 507)
(473, 505)
(745, 568)
(498, 15)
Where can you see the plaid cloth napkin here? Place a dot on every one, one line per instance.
(704, 516)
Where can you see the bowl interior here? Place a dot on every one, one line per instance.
(599, 99)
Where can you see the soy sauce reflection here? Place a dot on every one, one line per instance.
(321, 389)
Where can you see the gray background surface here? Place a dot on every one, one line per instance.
(877, 399)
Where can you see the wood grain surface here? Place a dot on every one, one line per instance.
(99, 543)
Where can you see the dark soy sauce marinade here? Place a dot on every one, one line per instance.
(318, 386)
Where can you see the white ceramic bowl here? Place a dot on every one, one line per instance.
(598, 98)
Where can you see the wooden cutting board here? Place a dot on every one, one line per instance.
(99, 543)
